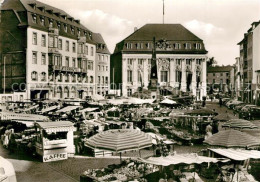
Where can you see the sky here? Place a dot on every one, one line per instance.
(221, 24)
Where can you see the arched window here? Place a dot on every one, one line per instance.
(59, 92)
(43, 76)
(73, 78)
(66, 92)
(34, 76)
(73, 92)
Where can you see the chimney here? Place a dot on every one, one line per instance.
(135, 29)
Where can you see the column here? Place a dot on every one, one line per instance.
(194, 77)
(172, 72)
(183, 77)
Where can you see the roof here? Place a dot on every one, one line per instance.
(57, 126)
(238, 154)
(219, 69)
(172, 33)
(97, 37)
(68, 108)
(163, 31)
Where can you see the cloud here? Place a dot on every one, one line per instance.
(112, 28)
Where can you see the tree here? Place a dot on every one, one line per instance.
(211, 62)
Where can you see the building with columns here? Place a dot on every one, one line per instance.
(180, 55)
(44, 53)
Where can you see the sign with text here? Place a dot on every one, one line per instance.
(55, 157)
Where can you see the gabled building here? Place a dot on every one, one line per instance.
(250, 60)
(44, 52)
(102, 63)
(180, 55)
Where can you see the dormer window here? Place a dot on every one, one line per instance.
(90, 35)
(72, 30)
(177, 46)
(57, 14)
(50, 23)
(65, 28)
(129, 45)
(78, 32)
(64, 16)
(139, 45)
(58, 25)
(42, 9)
(33, 5)
(34, 18)
(148, 45)
(104, 46)
(42, 21)
(50, 11)
(198, 46)
(187, 46)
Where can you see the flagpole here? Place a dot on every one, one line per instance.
(163, 11)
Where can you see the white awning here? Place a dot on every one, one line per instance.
(68, 108)
(89, 109)
(238, 154)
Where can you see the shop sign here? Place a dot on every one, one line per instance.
(55, 157)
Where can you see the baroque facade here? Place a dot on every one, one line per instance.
(45, 53)
(180, 55)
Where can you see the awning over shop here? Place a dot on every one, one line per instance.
(49, 109)
(57, 126)
(68, 108)
(89, 109)
(179, 159)
(238, 154)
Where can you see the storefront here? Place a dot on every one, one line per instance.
(55, 140)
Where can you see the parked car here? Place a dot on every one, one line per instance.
(232, 103)
(238, 107)
(246, 107)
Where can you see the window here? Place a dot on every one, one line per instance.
(198, 61)
(90, 65)
(73, 78)
(139, 45)
(129, 76)
(106, 68)
(99, 79)
(213, 81)
(139, 77)
(74, 47)
(227, 74)
(140, 61)
(178, 76)
(188, 61)
(102, 58)
(60, 44)
(86, 79)
(91, 79)
(106, 80)
(103, 80)
(43, 76)
(34, 38)
(213, 74)
(129, 45)
(177, 46)
(67, 45)
(92, 51)
(98, 67)
(65, 28)
(148, 45)
(79, 63)
(74, 62)
(187, 46)
(103, 68)
(198, 46)
(50, 23)
(34, 18)
(43, 40)
(42, 21)
(67, 61)
(129, 92)
(34, 58)
(34, 76)
(43, 59)
(60, 77)
(58, 25)
(130, 61)
(86, 49)
(221, 74)
(164, 76)
(178, 61)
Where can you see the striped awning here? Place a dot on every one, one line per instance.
(238, 154)
(240, 124)
(179, 159)
(232, 138)
(120, 140)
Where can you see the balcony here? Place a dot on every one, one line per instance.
(64, 68)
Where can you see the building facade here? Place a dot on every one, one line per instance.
(220, 79)
(181, 61)
(45, 53)
(238, 71)
(102, 65)
(250, 60)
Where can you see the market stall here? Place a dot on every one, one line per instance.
(54, 140)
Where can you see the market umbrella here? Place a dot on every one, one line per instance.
(120, 140)
(223, 117)
(232, 138)
(168, 101)
(240, 124)
(201, 112)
